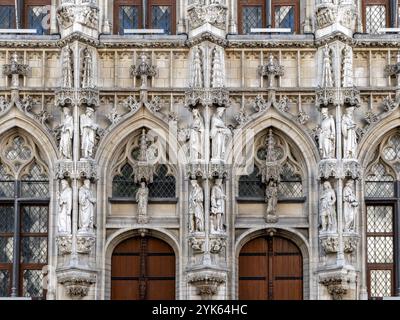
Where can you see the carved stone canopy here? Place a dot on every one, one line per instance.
(330, 243)
(207, 282)
(333, 96)
(77, 282)
(15, 67)
(206, 97)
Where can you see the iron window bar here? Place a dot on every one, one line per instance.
(144, 31)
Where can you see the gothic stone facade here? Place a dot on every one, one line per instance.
(206, 139)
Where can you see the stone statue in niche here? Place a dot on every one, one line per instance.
(347, 67)
(197, 69)
(196, 208)
(219, 133)
(68, 68)
(327, 210)
(87, 74)
(349, 134)
(86, 207)
(217, 206)
(327, 135)
(271, 198)
(88, 133)
(196, 139)
(142, 198)
(327, 78)
(64, 208)
(350, 205)
(145, 70)
(67, 132)
(217, 76)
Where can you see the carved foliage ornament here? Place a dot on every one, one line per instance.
(214, 14)
(86, 15)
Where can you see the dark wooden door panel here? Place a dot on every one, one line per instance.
(143, 268)
(270, 268)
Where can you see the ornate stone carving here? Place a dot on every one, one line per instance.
(196, 137)
(338, 283)
(15, 69)
(68, 68)
(394, 69)
(64, 169)
(207, 97)
(219, 133)
(195, 170)
(66, 134)
(88, 129)
(350, 96)
(197, 72)
(64, 244)
(351, 168)
(349, 128)
(350, 243)
(196, 208)
(303, 117)
(350, 207)
(77, 283)
(64, 97)
(271, 199)
(206, 282)
(87, 169)
(388, 104)
(197, 244)
(143, 70)
(214, 14)
(87, 67)
(327, 135)
(330, 244)
(217, 244)
(64, 198)
(271, 70)
(69, 13)
(142, 198)
(327, 75)
(86, 207)
(89, 97)
(85, 242)
(217, 68)
(325, 15)
(218, 170)
(217, 207)
(347, 66)
(327, 209)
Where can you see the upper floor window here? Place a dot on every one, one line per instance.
(256, 14)
(375, 15)
(33, 14)
(144, 14)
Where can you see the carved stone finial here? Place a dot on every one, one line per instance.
(143, 70)
(15, 69)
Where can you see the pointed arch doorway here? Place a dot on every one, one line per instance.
(270, 268)
(143, 268)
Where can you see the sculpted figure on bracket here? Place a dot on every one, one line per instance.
(87, 75)
(347, 67)
(67, 132)
(86, 207)
(349, 134)
(272, 199)
(68, 66)
(327, 210)
(217, 76)
(350, 205)
(217, 206)
(196, 139)
(219, 133)
(64, 208)
(142, 198)
(196, 208)
(88, 133)
(327, 135)
(327, 78)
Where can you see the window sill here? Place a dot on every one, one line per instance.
(262, 200)
(151, 200)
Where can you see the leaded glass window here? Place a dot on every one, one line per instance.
(164, 184)
(375, 15)
(380, 250)
(379, 184)
(290, 185)
(251, 186)
(128, 18)
(39, 18)
(161, 18)
(284, 17)
(24, 212)
(7, 17)
(123, 185)
(251, 18)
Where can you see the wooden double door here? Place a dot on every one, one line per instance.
(143, 268)
(270, 268)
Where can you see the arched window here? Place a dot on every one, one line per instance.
(382, 197)
(262, 14)
(376, 15)
(31, 14)
(24, 212)
(147, 14)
